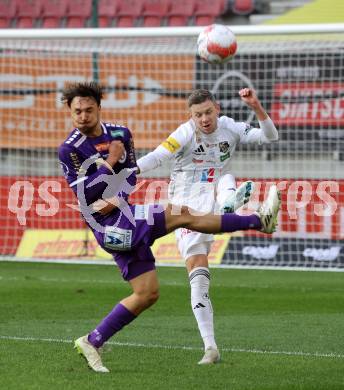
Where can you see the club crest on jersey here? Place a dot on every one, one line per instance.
(224, 146)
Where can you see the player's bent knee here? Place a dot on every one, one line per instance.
(151, 297)
(148, 297)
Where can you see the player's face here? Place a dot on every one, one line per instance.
(86, 115)
(205, 116)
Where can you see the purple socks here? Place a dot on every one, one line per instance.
(111, 324)
(233, 222)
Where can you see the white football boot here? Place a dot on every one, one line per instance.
(268, 211)
(211, 355)
(90, 353)
(238, 198)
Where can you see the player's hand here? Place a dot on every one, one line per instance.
(116, 151)
(249, 96)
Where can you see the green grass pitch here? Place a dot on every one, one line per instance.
(275, 330)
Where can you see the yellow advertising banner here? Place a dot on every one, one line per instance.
(60, 244)
(81, 244)
(142, 94)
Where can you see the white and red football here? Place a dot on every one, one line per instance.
(216, 44)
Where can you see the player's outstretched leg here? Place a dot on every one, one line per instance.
(265, 219)
(238, 198)
(90, 353)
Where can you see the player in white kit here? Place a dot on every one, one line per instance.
(202, 149)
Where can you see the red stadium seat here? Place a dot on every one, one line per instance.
(180, 12)
(154, 12)
(8, 11)
(128, 12)
(242, 7)
(207, 11)
(54, 11)
(107, 12)
(79, 11)
(28, 13)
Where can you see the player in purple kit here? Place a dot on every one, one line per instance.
(98, 161)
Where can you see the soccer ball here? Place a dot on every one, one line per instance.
(216, 44)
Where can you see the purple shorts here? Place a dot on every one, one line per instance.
(129, 237)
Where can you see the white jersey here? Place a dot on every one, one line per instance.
(202, 159)
(201, 172)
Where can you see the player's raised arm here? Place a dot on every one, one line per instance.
(250, 97)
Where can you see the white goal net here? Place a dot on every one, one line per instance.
(147, 74)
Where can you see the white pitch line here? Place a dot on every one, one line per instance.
(184, 347)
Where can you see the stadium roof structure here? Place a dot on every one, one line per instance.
(317, 11)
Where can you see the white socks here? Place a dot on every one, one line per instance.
(201, 306)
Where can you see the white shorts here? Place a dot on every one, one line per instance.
(192, 243)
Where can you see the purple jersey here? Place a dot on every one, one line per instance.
(128, 231)
(82, 160)
(78, 148)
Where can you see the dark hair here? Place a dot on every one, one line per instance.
(200, 96)
(85, 89)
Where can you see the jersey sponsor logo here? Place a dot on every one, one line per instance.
(75, 161)
(208, 175)
(104, 146)
(199, 150)
(225, 156)
(117, 238)
(224, 146)
(117, 133)
(194, 160)
(132, 158)
(171, 144)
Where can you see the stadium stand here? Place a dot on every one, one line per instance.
(78, 14)
(8, 11)
(54, 13)
(155, 12)
(181, 12)
(28, 13)
(206, 12)
(107, 12)
(135, 13)
(242, 7)
(129, 12)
